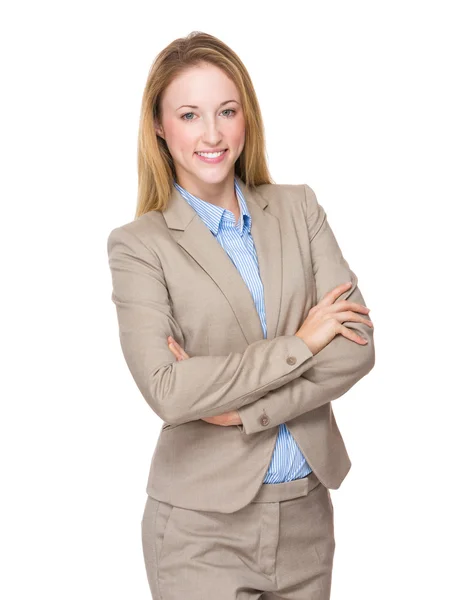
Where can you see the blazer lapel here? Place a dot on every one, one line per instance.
(191, 233)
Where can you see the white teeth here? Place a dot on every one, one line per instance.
(210, 154)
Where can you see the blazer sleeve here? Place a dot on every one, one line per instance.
(342, 362)
(200, 386)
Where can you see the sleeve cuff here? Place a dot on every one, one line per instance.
(251, 416)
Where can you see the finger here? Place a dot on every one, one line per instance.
(352, 316)
(351, 335)
(178, 347)
(174, 343)
(181, 351)
(211, 420)
(347, 305)
(331, 297)
(175, 351)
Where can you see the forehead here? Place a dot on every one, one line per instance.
(202, 85)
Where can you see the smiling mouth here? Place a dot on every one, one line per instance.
(212, 158)
(213, 153)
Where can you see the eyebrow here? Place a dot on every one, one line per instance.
(192, 105)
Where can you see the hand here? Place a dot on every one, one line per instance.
(226, 419)
(325, 319)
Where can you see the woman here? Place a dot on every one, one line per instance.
(233, 299)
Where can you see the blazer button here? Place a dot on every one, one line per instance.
(264, 420)
(291, 360)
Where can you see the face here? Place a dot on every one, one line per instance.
(201, 111)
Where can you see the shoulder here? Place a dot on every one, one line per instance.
(300, 196)
(300, 193)
(136, 233)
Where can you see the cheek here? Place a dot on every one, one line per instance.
(238, 132)
(179, 138)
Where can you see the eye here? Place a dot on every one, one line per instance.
(228, 110)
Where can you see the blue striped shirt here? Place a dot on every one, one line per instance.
(287, 461)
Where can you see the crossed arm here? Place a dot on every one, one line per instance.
(338, 366)
(249, 382)
(201, 386)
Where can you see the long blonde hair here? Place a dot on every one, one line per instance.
(156, 169)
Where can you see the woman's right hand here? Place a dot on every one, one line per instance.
(325, 319)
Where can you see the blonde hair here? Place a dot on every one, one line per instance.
(156, 169)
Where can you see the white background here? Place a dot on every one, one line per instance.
(357, 102)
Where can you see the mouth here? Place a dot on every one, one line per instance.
(212, 157)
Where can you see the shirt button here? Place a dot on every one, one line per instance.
(264, 420)
(291, 360)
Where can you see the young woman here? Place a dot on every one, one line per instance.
(240, 321)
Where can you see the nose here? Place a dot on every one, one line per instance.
(211, 135)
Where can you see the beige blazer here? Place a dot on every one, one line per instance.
(171, 276)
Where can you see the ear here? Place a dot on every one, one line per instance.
(158, 129)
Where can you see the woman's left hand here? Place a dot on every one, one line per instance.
(226, 419)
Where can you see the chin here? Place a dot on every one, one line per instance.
(214, 177)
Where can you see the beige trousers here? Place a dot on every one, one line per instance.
(280, 546)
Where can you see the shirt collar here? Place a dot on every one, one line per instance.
(212, 215)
